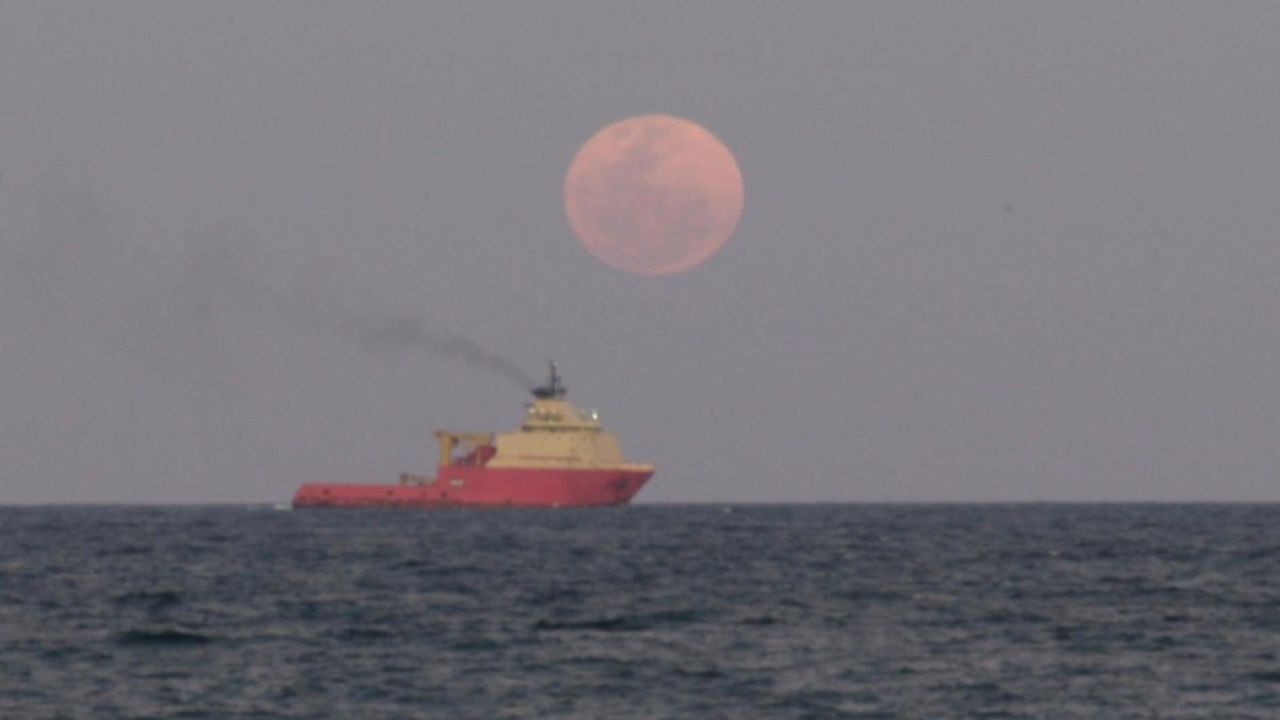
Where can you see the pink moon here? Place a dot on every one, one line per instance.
(653, 194)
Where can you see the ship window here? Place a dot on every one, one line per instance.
(456, 482)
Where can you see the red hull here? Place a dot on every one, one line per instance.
(490, 487)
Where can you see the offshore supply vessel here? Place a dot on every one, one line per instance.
(560, 456)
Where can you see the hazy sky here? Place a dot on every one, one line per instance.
(989, 251)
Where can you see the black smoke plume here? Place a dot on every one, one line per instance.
(404, 333)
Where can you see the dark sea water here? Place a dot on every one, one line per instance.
(1022, 611)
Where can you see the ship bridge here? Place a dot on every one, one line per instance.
(552, 434)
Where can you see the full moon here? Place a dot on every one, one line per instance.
(653, 194)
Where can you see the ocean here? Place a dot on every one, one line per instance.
(823, 611)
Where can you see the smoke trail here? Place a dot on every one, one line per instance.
(402, 332)
(220, 283)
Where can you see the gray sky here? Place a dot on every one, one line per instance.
(989, 251)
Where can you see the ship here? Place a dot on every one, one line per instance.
(560, 456)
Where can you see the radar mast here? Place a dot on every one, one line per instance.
(553, 387)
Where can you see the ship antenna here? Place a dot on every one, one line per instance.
(553, 387)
